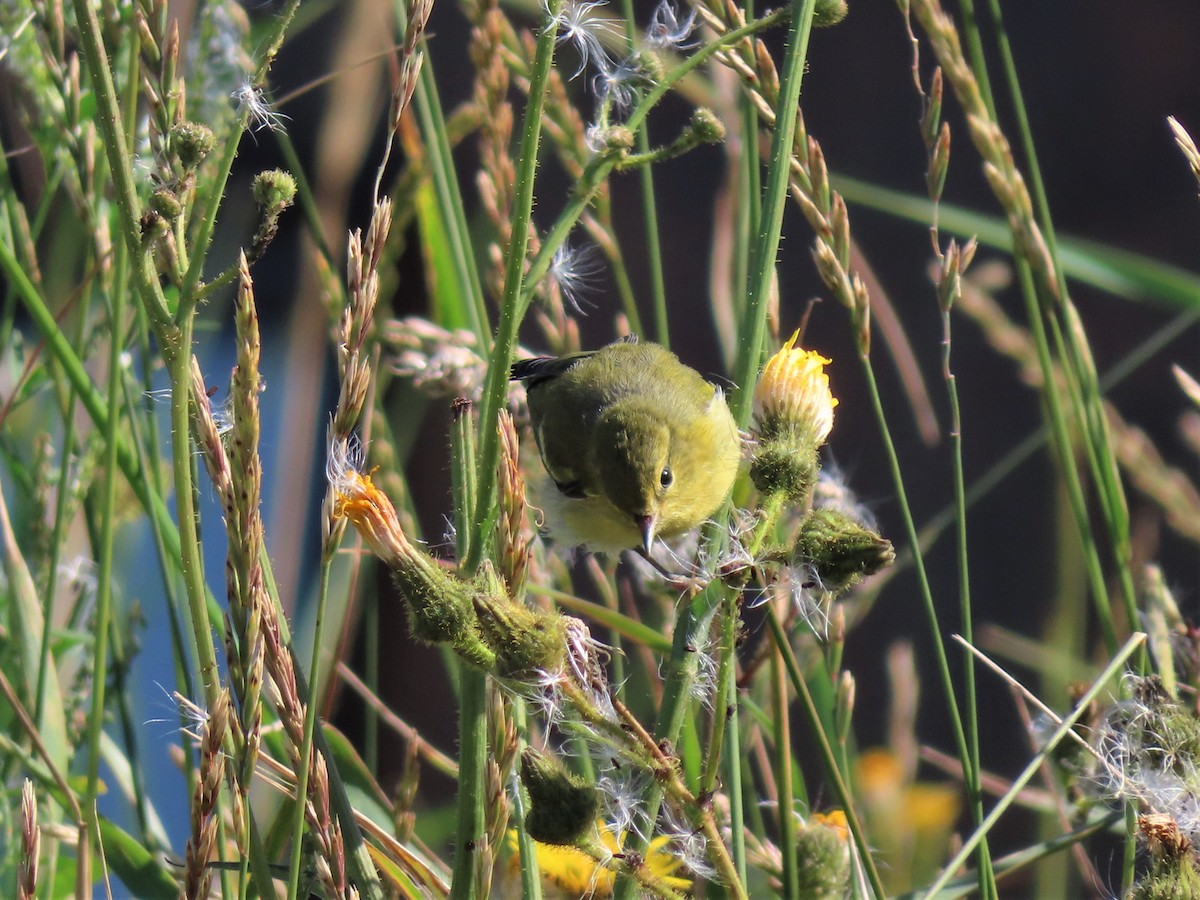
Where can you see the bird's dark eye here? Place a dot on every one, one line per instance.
(666, 477)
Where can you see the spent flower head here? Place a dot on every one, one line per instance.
(253, 101)
(668, 30)
(575, 270)
(617, 84)
(578, 23)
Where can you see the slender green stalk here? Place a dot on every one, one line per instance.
(1061, 442)
(658, 293)
(925, 590)
(473, 686)
(828, 756)
(191, 564)
(60, 506)
(472, 759)
(784, 806)
(108, 121)
(733, 785)
(188, 295)
(449, 198)
(104, 573)
(600, 166)
(511, 311)
(310, 725)
(987, 883)
(1110, 492)
(531, 879)
(752, 329)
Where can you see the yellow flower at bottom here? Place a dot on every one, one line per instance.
(578, 875)
(793, 394)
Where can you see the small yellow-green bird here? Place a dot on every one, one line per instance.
(637, 444)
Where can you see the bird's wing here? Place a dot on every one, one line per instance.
(543, 368)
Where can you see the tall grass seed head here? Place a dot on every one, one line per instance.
(562, 806)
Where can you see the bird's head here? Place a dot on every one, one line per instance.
(631, 453)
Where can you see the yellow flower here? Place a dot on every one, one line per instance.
(835, 819)
(579, 875)
(367, 508)
(793, 394)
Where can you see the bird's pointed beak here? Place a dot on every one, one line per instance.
(646, 525)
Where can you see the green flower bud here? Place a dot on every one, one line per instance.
(274, 190)
(523, 640)
(829, 12)
(192, 142)
(166, 204)
(782, 466)
(439, 604)
(707, 127)
(649, 66)
(823, 857)
(562, 806)
(841, 550)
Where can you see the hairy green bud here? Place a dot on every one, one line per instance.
(841, 550)
(707, 127)
(440, 607)
(523, 640)
(166, 204)
(562, 806)
(823, 858)
(785, 467)
(829, 12)
(192, 142)
(274, 189)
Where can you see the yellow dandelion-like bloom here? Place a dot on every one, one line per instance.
(793, 394)
(834, 819)
(579, 875)
(367, 508)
